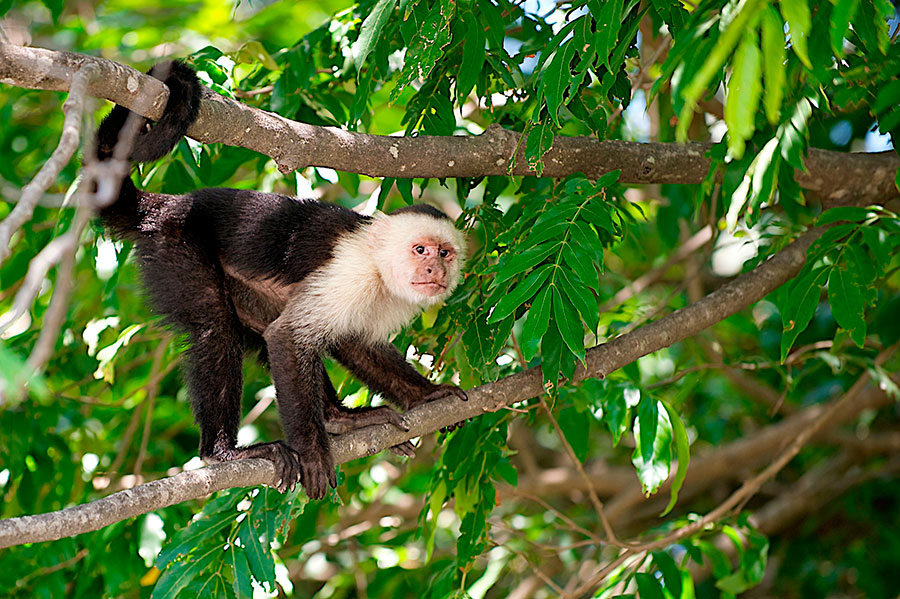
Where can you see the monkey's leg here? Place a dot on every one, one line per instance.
(298, 374)
(186, 285)
(340, 419)
(383, 369)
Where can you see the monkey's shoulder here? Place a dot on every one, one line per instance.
(273, 235)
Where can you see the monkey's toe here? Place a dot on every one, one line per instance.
(453, 427)
(446, 391)
(337, 424)
(316, 474)
(285, 459)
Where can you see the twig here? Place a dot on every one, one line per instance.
(750, 487)
(152, 392)
(73, 108)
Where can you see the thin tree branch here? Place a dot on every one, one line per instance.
(82, 80)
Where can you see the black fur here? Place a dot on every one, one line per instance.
(210, 260)
(425, 209)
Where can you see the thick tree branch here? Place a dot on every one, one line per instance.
(601, 360)
(833, 175)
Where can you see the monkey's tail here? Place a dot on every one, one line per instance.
(153, 139)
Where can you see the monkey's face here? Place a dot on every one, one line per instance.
(423, 262)
(431, 265)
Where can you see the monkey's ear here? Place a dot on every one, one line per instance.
(379, 230)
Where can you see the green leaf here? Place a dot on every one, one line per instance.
(191, 536)
(609, 22)
(556, 360)
(555, 79)
(536, 324)
(842, 14)
(370, 31)
(682, 453)
(801, 306)
(576, 425)
(797, 15)
(426, 49)
(546, 232)
(569, 323)
(774, 63)
(587, 240)
(847, 303)
(744, 88)
(652, 464)
(243, 585)
(477, 339)
(670, 573)
(519, 262)
(648, 587)
(744, 19)
(538, 143)
(521, 294)
(473, 56)
(844, 213)
(581, 297)
(616, 412)
(719, 562)
(648, 417)
(259, 558)
(888, 97)
(496, 31)
(758, 184)
(583, 266)
(179, 574)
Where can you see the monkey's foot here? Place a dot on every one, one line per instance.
(446, 391)
(285, 458)
(338, 422)
(317, 472)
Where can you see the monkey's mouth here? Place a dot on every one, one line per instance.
(429, 287)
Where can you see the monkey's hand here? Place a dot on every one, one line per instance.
(446, 390)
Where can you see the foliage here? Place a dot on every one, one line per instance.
(474, 514)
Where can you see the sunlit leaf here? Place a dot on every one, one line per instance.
(774, 63)
(796, 14)
(744, 88)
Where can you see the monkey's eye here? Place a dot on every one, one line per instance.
(420, 249)
(444, 253)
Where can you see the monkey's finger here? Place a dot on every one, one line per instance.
(405, 449)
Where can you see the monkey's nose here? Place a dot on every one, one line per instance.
(428, 269)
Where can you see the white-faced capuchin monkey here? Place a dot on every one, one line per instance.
(295, 279)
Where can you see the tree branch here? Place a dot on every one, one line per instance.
(836, 176)
(600, 361)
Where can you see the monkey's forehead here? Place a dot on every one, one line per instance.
(411, 226)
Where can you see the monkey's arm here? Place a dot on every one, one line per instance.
(383, 369)
(340, 419)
